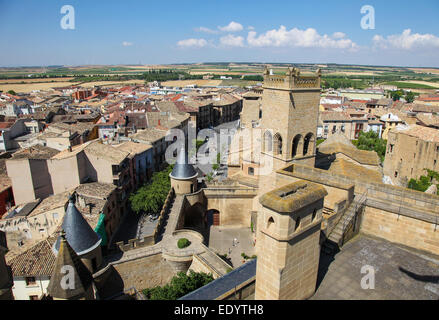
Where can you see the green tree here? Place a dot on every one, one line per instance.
(253, 78)
(370, 141)
(209, 177)
(12, 92)
(179, 286)
(424, 182)
(409, 97)
(151, 197)
(396, 95)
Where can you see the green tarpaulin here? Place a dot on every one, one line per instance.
(100, 229)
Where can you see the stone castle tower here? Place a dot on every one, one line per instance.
(288, 241)
(290, 106)
(85, 242)
(68, 265)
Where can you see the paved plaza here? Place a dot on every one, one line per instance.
(221, 241)
(400, 273)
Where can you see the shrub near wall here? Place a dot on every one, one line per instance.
(183, 243)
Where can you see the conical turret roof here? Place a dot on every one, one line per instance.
(79, 234)
(70, 279)
(182, 168)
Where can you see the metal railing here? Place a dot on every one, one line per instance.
(351, 222)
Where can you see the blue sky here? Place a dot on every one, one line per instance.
(160, 32)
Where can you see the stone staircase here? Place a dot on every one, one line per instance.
(335, 238)
(172, 217)
(214, 262)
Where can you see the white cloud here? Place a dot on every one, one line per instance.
(251, 28)
(338, 35)
(127, 44)
(197, 43)
(206, 30)
(232, 27)
(232, 41)
(406, 40)
(299, 38)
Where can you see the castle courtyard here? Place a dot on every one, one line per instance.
(400, 273)
(221, 239)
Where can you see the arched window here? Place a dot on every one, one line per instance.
(268, 141)
(270, 222)
(296, 142)
(277, 144)
(308, 143)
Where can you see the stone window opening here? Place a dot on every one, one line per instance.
(270, 222)
(396, 174)
(391, 148)
(297, 224)
(251, 171)
(30, 281)
(314, 214)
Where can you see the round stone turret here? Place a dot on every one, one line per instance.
(183, 175)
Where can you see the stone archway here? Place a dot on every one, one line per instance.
(296, 146)
(277, 144)
(308, 144)
(195, 218)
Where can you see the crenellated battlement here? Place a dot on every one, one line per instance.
(292, 80)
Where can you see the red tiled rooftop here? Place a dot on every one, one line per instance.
(5, 125)
(429, 99)
(181, 106)
(176, 97)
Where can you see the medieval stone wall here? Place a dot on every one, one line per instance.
(401, 229)
(146, 272)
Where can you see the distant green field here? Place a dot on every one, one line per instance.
(406, 85)
(238, 82)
